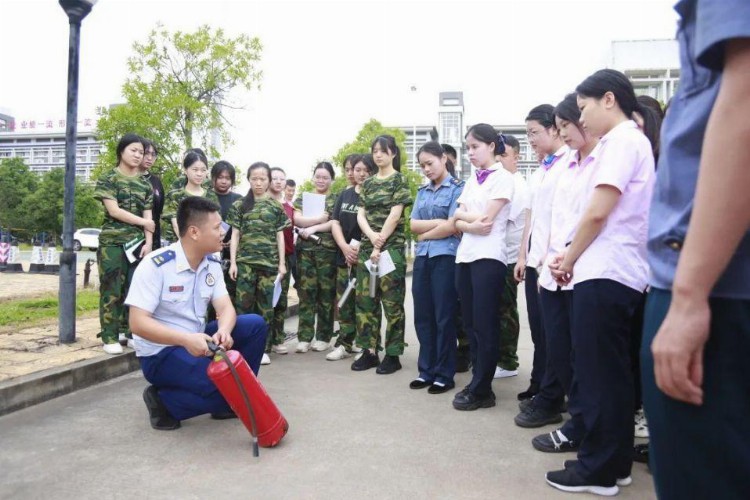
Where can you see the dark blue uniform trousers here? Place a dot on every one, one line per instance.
(480, 286)
(435, 302)
(536, 326)
(181, 378)
(557, 314)
(602, 388)
(702, 451)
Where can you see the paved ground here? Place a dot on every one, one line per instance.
(352, 435)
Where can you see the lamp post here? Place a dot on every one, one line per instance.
(76, 11)
(413, 158)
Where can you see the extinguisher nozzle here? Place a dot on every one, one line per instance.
(256, 449)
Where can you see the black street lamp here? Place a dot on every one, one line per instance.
(76, 11)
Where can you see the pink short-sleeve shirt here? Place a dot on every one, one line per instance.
(618, 253)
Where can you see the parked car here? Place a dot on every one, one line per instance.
(86, 237)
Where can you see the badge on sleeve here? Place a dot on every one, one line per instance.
(210, 280)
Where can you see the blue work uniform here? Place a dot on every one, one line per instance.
(698, 451)
(433, 286)
(177, 296)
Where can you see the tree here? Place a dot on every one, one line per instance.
(17, 181)
(183, 84)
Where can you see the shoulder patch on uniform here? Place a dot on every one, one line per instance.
(423, 186)
(213, 258)
(163, 258)
(457, 182)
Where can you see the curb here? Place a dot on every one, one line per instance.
(34, 388)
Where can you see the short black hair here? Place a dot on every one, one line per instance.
(222, 166)
(450, 150)
(192, 211)
(512, 142)
(291, 183)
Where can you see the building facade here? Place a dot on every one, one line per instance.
(41, 144)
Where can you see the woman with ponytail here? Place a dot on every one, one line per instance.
(256, 250)
(606, 264)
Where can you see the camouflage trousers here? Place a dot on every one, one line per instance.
(317, 294)
(115, 274)
(346, 316)
(231, 290)
(390, 292)
(276, 334)
(255, 293)
(509, 325)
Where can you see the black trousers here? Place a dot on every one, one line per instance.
(602, 388)
(536, 326)
(480, 286)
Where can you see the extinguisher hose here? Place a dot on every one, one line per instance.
(254, 431)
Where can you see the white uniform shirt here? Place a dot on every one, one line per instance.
(475, 197)
(175, 295)
(517, 217)
(541, 207)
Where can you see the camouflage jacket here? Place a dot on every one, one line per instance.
(327, 241)
(258, 229)
(378, 196)
(171, 203)
(133, 194)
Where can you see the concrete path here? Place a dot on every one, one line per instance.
(352, 435)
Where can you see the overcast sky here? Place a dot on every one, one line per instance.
(331, 66)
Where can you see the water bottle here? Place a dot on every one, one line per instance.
(312, 237)
(373, 280)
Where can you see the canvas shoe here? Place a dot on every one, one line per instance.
(279, 349)
(337, 354)
(502, 373)
(115, 348)
(303, 346)
(265, 360)
(319, 345)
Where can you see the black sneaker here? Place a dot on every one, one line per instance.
(418, 383)
(529, 393)
(640, 453)
(390, 364)
(439, 388)
(569, 480)
(535, 417)
(526, 403)
(468, 401)
(158, 415)
(622, 481)
(554, 442)
(366, 361)
(225, 415)
(463, 360)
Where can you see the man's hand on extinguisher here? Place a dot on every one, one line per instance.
(223, 340)
(195, 344)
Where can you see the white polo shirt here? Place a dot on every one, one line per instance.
(475, 197)
(545, 182)
(175, 295)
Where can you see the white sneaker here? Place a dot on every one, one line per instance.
(265, 360)
(131, 344)
(624, 481)
(500, 373)
(641, 426)
(337, 354)
(112, 348)
(303, 346)
(319, 345)
(279, 349)
(355, 350)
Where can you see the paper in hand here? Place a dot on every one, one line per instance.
(130, 248)
(276, 291)
(313, 205)
(385, 264)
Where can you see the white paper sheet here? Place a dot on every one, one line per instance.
(130, 248)
(385, 264)
(276, 291)
(313, 205)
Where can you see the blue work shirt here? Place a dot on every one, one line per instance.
(438, 202)
(705, 27)
(175, 295)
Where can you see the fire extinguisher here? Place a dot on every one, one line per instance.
(246, 396)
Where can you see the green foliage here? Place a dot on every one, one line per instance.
(16, 183)
(31, 204)
(182, 85)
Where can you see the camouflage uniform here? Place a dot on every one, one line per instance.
(346, 316)
(316, 265)
(377, 197)
(172, 202)
(509, 325)
(135, 195)
(257, 257)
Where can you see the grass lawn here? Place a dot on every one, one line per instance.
(27, 312)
